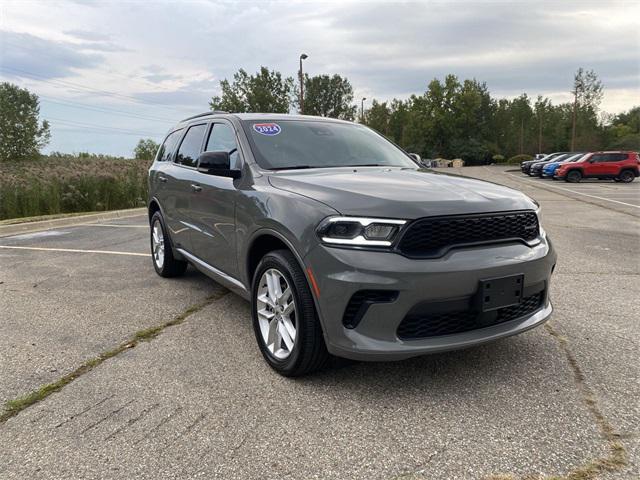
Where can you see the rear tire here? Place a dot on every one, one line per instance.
(292, 343)
(164, 263)
(574, 176)
(627, 176)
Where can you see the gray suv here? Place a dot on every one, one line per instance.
(342, 242)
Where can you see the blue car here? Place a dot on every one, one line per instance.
(549, 169)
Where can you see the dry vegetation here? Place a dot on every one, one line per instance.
(63, 183)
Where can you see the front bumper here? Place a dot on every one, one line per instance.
(342, 272)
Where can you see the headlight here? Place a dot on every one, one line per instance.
(358, 231)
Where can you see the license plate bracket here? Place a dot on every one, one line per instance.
(501, 292)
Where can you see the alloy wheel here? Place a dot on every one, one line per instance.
(157, 244)
(276, 310)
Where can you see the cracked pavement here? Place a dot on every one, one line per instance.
(198, 401)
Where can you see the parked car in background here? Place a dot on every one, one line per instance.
(539, 156)
(619, 166)
(536, 169)
(526, 166)
(548, 169)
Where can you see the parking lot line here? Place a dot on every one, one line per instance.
(111, 225)
(75, 250)
(575, 191)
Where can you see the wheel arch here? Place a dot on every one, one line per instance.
(266, 240)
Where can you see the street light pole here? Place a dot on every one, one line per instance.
(362, 109)
(302, 57)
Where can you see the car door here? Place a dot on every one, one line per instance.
(179, 176)
(213, 205)
(614, 164)
(597, 165)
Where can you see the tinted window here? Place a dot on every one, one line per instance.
(189, 150)
(616, 157)
(316, 144)
(168, 146)
(598, 158)
(223, 139)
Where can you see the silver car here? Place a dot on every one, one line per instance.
(342, 242)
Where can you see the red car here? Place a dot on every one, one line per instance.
(619, 166)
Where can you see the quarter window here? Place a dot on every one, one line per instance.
(223, 139)
(168, 146)
(189, 150)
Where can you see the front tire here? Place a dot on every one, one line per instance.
(574, 176)
(164, 263)
(285, 322)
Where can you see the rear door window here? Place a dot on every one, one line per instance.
(617, 157)
(189, 150)
(165, 152)
(223, 139)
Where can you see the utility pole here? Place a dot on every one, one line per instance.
(304, 56)
(573, 119)
(540, 131)
(362, 109)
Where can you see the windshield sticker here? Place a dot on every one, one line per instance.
(269, 129)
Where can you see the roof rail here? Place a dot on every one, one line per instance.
(210, 112)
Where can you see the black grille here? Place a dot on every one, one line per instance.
(360, 302)
(432, 325)
(431, 237)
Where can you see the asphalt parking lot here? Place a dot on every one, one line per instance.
(193, 398)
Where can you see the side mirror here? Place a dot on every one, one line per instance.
(217, 163)
(416, 157)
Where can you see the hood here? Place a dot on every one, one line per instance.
(399, 192)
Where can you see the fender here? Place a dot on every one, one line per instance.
(299, 258)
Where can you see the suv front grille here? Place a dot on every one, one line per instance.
(432, 237)
(416, 325)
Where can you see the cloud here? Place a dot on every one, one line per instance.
(88, 35)
(23, 53)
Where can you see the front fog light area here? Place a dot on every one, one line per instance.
(355, 231)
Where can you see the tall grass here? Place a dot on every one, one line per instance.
(65, 184)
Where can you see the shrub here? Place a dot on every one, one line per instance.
(66, 184)
(498, 158)
(517, 159)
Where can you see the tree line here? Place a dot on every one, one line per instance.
(452, 118)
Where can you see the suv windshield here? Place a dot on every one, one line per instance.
(288, 144)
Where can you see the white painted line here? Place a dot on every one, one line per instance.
(111, 225)
(74, 250)
(573, 191)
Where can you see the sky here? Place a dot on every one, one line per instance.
(111, 72)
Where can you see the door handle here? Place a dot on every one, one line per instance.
(162, 179)
(195, 187)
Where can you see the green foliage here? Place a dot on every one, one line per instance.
(498, 158)
(327, 96)
(145, 149)
(63, 184)
(21, 134)
(265, 92)
(517, 159)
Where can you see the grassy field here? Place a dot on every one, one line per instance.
(66, 184)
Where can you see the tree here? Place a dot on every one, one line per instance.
(328, 96)
(21, 134)
(146, 149)
(265, 92)
(378, 117)
(587, 94)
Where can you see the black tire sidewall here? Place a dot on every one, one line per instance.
(304, 306)
(574, 176)
(626, 176)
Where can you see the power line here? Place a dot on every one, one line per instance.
(83, 88)
(98, 127)
(105, 110)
